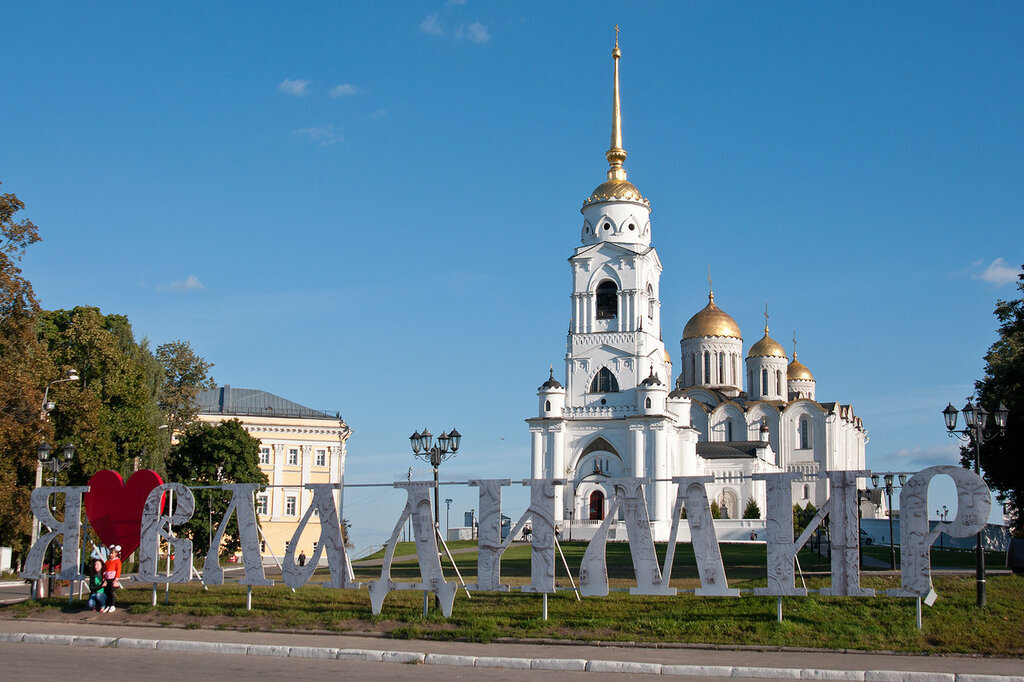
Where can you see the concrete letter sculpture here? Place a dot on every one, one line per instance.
(779, 525)
(844, 528)
(542, 540)
(702, 533)
(418, 507)
(490, 546)
(242, 503)
(154, 528)
(69, 529)
(973, 505)
(330, 540)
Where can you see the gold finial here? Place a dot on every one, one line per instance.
(711, 289)
(616, 154)
(794, 344)
(766, 317)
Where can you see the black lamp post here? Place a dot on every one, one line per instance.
(976, 433)
(889, 486)
(423, 448)
(942, 513)
(447, 515)
(55, 463)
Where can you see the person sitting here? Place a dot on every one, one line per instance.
(97, 595)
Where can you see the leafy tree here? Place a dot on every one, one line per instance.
(1004, 382)
(211, 455)
(24, 371)
(716, 511)
(802, 517)
(185, 375)
(752, 511)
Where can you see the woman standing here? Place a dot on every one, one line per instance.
(111, 573)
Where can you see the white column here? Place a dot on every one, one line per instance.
(660, 471)
(638, 449)
(558, 467)
(537, 451)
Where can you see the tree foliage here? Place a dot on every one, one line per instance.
(802, 517)
(212, 455)
(752, 511)
(1004, 382)
(185, 375)
(716, 511)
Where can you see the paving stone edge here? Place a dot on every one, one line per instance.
(567, 664)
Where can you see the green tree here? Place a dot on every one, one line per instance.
(24, 370)
(801, 517)
(185, 375)
(1004, 382)
(752, 511)
(716, 511)
(212, 455)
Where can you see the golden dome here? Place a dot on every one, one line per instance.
(767, 347)
(612, 190)
(798, 372)
(668, 358)
(711, 321)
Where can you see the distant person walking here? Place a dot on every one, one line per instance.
(302, 558)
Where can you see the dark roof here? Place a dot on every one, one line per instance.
(552, 382)
(251, 402)
(733, 449)
(652, 380)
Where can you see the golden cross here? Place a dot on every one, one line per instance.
(794, 343)
(616, 35)
(766, 315)
(710, 288)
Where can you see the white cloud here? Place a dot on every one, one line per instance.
(343, 90)
(295, 87)
(323, 135)
(477, 33)
(453, 3)
(190, 283)
(380, 113)
(997, 272)
(913, 459)
(432, 25)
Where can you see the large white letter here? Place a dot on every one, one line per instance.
(973, 505)
(242, 503)
(418, 507)
(844, 529)
(69, 528)
(153, 529)
(779, 524)
(703, 536)
(331, 539)
(542, 539)
(490, 546)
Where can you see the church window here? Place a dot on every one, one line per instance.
(604, 382)
(807, 491)
(547, 405)
(607, 226)
(728, 430)
(721, 368)
(804, 434)
(778, 382)
(597, 506)
(764, 382)
(632, 227)
(647, 403)
(607, 300)
(650, 298)
(707, 369)
(693, 368)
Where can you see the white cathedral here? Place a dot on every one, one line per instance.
(618, 414)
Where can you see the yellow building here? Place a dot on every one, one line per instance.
(298, 445)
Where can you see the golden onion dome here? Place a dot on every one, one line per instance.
(668, 358)
(711, 321)
(767, 347)
(798, 372)
(615, 190)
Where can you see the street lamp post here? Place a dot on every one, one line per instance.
(887, 479)
(44, 415)
(423, 448)
(976, 433)
(941, 513)
(55, 463)
(447, 516)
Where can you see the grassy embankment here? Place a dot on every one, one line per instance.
(953, 625)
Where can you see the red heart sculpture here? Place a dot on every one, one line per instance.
(115, 508)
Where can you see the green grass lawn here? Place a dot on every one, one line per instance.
(952, 625)
(949, 558)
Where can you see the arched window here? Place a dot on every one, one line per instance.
(807, 492)
(547, 405)
(805, 439)
(647, 403)
(597, 506)
(707, 369)
(650, 298)
(721, 368)
(728, 430)
(607, 300)
(604, 382)
(764, 382)
(693, 368)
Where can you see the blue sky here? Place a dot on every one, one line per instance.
(368, 207)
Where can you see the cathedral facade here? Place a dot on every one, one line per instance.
(620, 413)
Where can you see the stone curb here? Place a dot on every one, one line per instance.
(565, 664)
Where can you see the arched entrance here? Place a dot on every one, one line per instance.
(597, 506)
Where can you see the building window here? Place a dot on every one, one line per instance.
(293, 457)
(604, 382)
(315, 546)
(804, 435)
(547, 405)
(650, 298)
(264, 455)
(321, 458)
(261, 504)
(707, 368)
(728, 430)
(647, 403)
(778, 381)
(287, 545)
(721, 368)
(263, 546)
(289, 506)
(764, 382)
(807, 491)
(607, 300)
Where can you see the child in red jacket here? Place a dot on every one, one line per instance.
(111, 573)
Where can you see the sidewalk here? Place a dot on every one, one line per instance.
(683, 661)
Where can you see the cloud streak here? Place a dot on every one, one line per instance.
(475, 33)
(998, 272)
(190, 283)
(432, 25)
(295, 87)
(343, 90)
(324, 136)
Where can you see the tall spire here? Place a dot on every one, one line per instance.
(616, 154)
